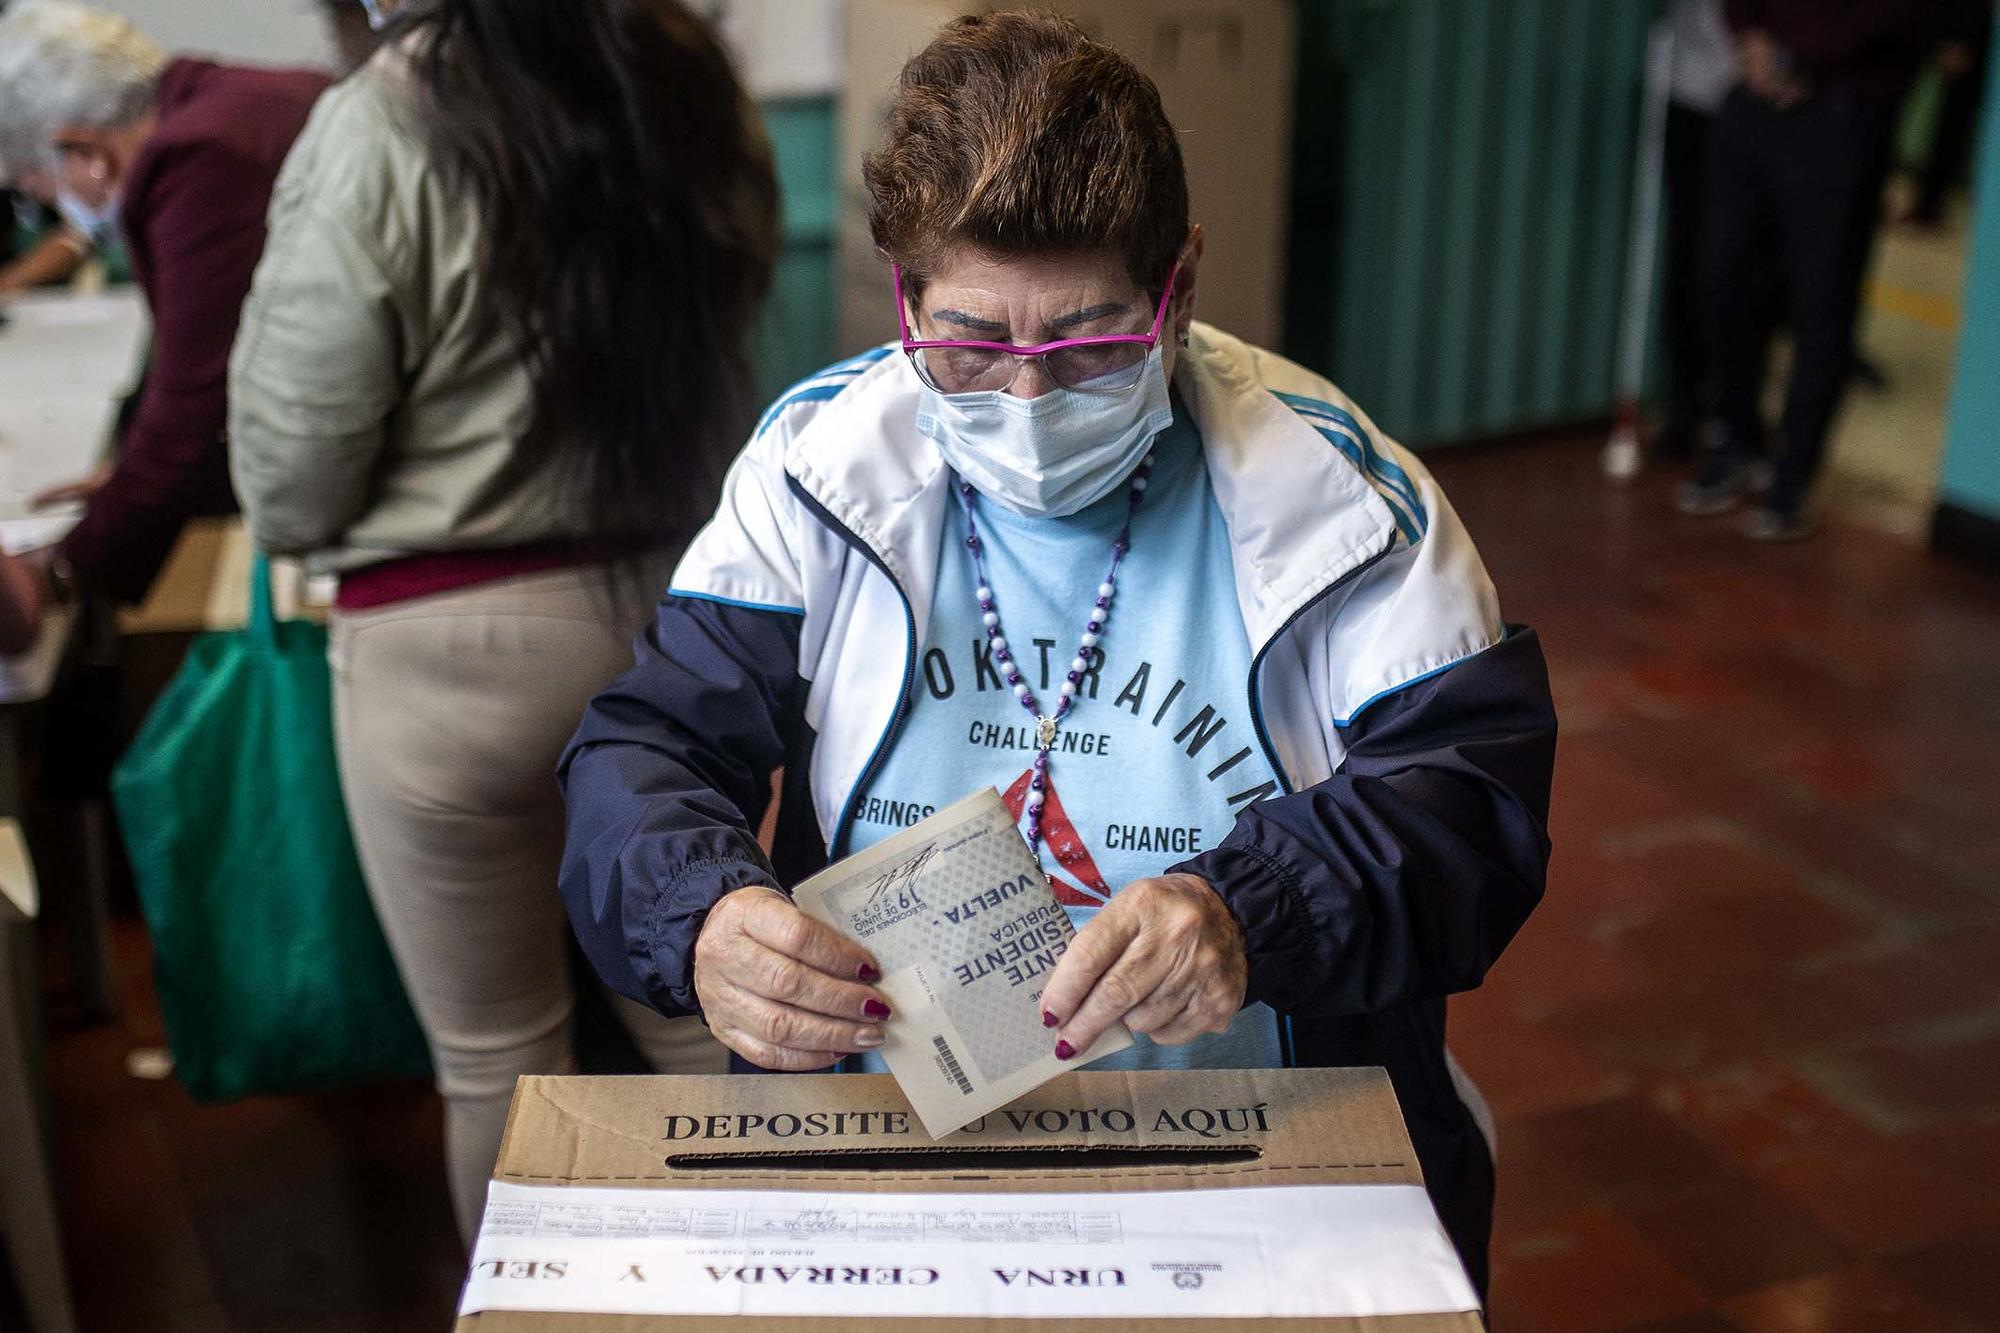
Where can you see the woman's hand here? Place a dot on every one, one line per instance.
(83, 489)
(20, 601)
(1166, 956)
(1765, 71)
(782, 990)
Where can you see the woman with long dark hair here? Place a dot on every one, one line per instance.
(494, 348)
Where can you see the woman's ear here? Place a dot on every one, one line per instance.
(909, 290)
(1181, 313)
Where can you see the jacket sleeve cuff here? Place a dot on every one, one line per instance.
(108, 562)
(1280, 944)
(681, 912)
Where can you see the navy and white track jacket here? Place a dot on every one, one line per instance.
(1414, 729)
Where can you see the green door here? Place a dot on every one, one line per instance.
(1463, 184)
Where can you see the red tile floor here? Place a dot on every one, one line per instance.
(1746, 1057)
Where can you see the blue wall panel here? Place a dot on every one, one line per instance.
(1972, 441)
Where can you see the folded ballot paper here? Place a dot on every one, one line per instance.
(967, 931)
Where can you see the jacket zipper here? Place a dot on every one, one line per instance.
(844, 825)
(1257, 662)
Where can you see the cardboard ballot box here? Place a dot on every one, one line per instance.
(1226, 1199)
(819, 1203)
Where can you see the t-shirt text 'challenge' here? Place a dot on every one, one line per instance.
(1159, 754)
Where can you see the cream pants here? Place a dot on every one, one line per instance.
(450, 714)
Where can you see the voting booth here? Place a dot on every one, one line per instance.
(1164, 1201)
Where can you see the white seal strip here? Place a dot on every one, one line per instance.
(1285, 1251)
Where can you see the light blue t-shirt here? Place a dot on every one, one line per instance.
(1159, 754)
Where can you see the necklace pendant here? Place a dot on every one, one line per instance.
(1045, 732)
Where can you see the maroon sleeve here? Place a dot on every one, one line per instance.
(203, 232)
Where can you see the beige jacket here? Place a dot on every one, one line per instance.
(376, 403)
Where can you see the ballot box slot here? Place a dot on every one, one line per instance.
(980, 1163)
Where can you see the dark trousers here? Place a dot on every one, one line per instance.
(1687, 393)
(1800, 190)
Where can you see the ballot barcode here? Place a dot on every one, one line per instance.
(950, 1063)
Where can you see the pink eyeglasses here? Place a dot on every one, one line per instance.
(1112, 363)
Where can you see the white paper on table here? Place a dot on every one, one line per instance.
(18, 889)
(32, 532)
(31, 675)
(65, 362)
(1295, 1251)
(65, 310)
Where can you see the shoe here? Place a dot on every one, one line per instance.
(1622, 460)
(1779, 525)
(1722, 484)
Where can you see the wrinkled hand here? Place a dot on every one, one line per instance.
(82, 489)
(779, 988)
(1759, 54)
(21, 598)
(1165, 956)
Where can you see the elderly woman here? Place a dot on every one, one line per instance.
(180, 156)
(1227, 652)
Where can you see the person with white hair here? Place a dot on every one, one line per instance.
(177, 157)
(26, 193)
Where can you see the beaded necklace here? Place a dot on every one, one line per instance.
(1047, 725)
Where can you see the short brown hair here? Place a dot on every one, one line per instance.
(1017, 133)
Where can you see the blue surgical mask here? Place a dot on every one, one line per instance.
(1052, 455)
(99, 223)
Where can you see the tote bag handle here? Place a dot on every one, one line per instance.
(263, 621)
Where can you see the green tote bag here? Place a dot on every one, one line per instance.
(272, 972)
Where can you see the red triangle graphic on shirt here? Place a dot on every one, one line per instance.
(1064, 845)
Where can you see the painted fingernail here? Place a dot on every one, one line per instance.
(868, 1038)
(875, 1009)
(1049, 1020)
(870, 973)
(1065, 1051)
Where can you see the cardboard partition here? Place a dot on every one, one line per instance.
(1225, 70)
(1228, 1199)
